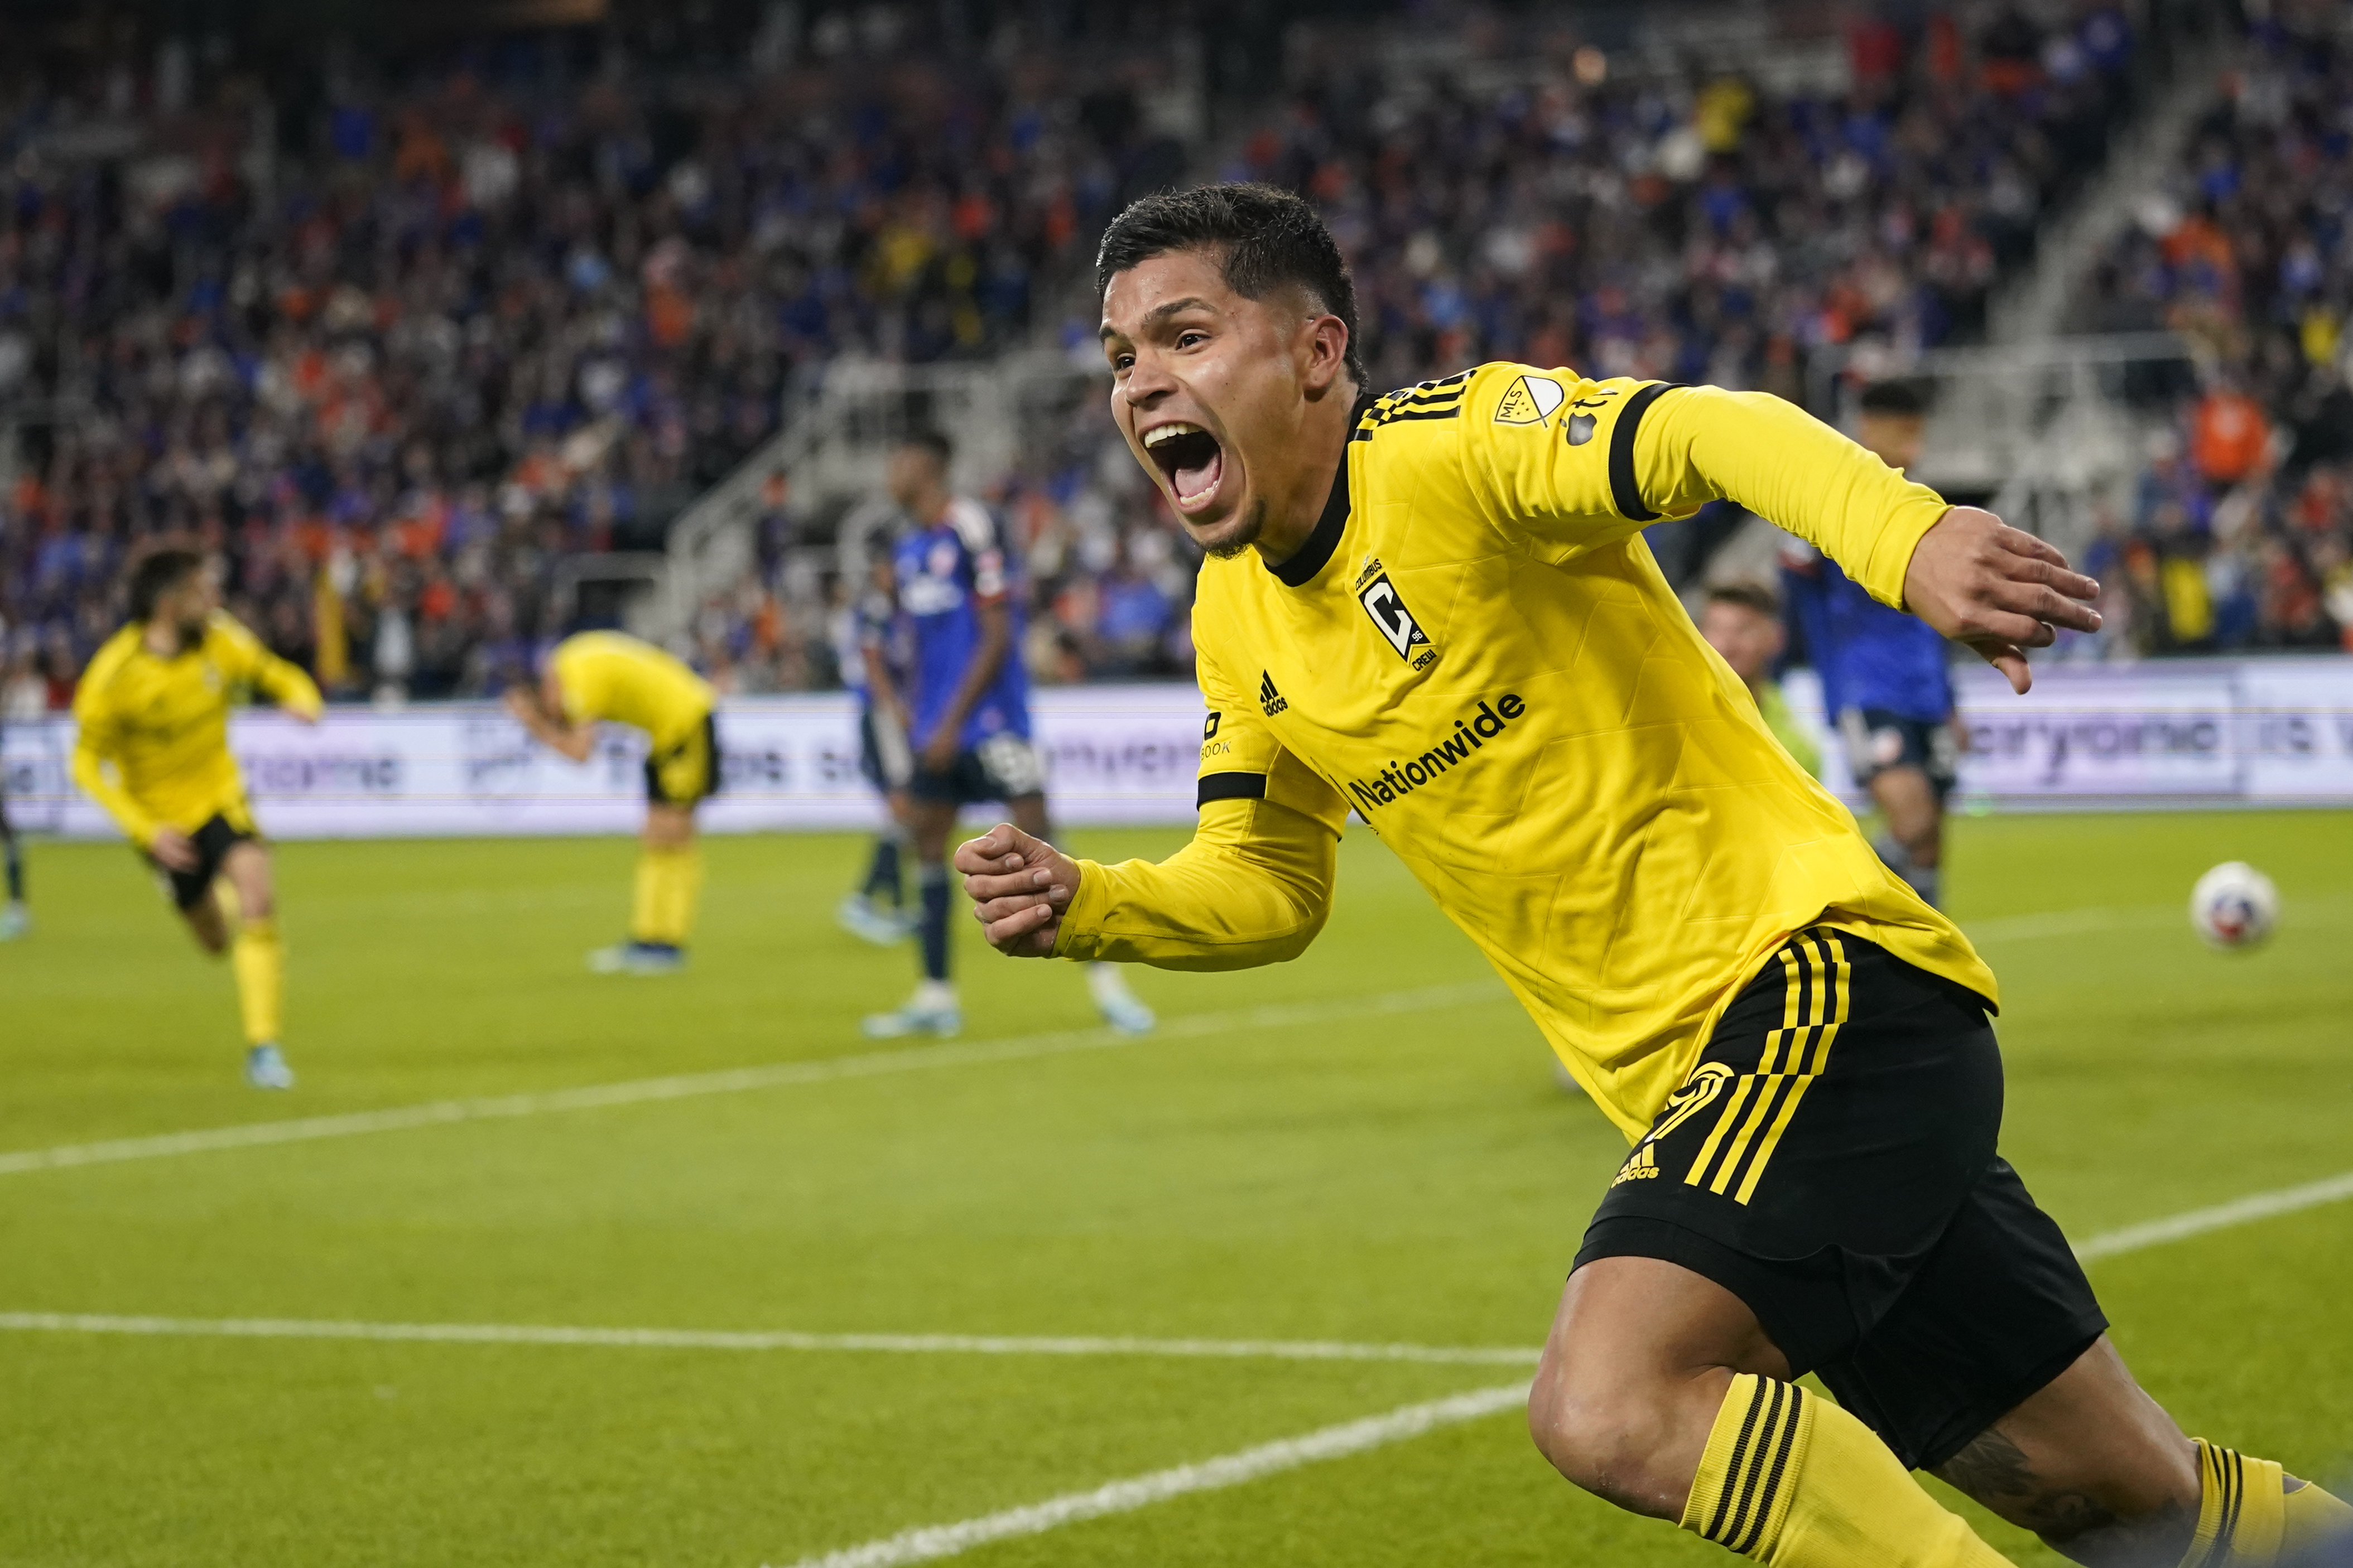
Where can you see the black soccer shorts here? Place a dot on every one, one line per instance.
(214, 840)
(688, 772)
(1003, 767)
(1877, 739)
(1830, 1160)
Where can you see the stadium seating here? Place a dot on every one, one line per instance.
(397, 347)
(404, 342)
(2240, 533)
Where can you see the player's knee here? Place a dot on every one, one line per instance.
(1607, 1437)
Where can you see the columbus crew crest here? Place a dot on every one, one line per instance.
(1387, 607)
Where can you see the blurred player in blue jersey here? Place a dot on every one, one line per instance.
(968, 701)
(873, 658)
(1884, 673)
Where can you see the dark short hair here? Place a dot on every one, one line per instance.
(157, 572)
(1895, 399)
(933, 439)
(1757, 597)
(1266, 238)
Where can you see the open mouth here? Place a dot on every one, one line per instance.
(1189, 456)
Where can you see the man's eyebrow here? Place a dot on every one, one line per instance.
(1159, 313)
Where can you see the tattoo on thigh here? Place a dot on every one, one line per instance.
(1991, 1466)
(1997, 1472)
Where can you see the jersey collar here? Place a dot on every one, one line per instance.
(1313, 556)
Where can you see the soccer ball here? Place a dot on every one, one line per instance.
(2233, 905)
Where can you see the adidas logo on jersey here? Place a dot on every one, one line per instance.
(1267, 697)
(1642, 1166)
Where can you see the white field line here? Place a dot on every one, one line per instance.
(734, 1080)
(934, 1542)
(930, 1543)
(759, 1340)
(2219, 1216)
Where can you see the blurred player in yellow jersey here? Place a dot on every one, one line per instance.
(606, 678)
(1435, 606)
(1741, 621)
(152, 712)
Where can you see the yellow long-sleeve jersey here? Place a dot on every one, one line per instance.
(1475, 651)
(153, 743)
(615, 679)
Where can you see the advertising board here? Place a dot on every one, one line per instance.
(2174, 732)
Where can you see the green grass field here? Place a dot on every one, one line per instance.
(1387, 1161)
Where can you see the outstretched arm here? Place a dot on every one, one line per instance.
(290, 687)
(1962, 570)
(1622, 454)
(1252, 888)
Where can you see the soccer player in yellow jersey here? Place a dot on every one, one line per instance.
(606, 678)
(153, 749)
(1435, 607)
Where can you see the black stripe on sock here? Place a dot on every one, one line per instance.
(2223, 1467)
(1773, 1477)
(1755, 1461)
(1228, 786)
(1624, 491)
(2234, 1500)
(1732, 1465)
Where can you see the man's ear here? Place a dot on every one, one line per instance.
(1323, 353)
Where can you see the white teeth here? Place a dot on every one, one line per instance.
(1159, 433)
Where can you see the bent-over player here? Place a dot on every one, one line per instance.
(1435, 606)
(153, 749)
(606, 677)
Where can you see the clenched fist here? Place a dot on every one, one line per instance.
(1019, 886)
(1997, 588)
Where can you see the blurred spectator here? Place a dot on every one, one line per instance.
(1500, 194)
(394, 355)
(2244, 543)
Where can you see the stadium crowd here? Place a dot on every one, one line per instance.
(398, 349)
(2240, 530)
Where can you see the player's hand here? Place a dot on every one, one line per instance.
(173, 849)
(1019, 886)
(1997, 588)
(520, 702)
(939, 753)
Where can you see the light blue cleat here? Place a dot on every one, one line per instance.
(1120, 1007)
(932, 1011)
(265, 1068)
(638, 958)
(858, 915)
(15, 919)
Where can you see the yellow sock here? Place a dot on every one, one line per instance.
(668, 883)
(2313, 1519)
(645, 905)
(257, 959)
(2248, 1519)
(1790, 1478)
